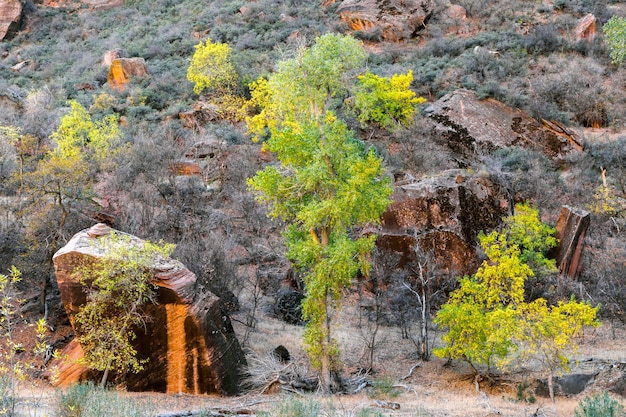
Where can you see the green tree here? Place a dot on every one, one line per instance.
(326, 183)
(64, 178)
(211, 68)
(615, 37)
(487, 317)
(120, 284)
(386, 101)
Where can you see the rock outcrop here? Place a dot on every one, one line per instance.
(394, 20)
(571, 228)
(443, 215)
(122, 69)
(10, 18)
(586, 28)
(189, 344)
(470, 125)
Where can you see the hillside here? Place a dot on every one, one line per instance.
(522, 104)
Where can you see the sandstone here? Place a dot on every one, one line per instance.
(470, 125)
(443, 216)
(189, 344)
(396, 20)
(122, 69)
(10, 18)
(586, 28)
(199, 116)
(571, 228)
(112, 55)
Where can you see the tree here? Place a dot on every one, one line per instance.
(326, 184)
(120, 284)
(615, 37)
(211, 68)
(488, 318)
(386, 101)
(64, 177)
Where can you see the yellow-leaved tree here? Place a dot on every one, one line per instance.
(487, 317)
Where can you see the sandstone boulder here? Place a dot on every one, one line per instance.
(189, 344)
(10, 18)
(122, 69)
(571, 228)
(112, 55)
(443, 216)
(470, 125)
(586, 28)
(396, 20)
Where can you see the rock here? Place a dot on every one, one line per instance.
(201, 114)
(566, 385)
(444, 215)
(571, 228)
(396, 20)
(586, 28)
(102, 4)
(282, 354)
(288, 306)
(189, 344)
(122, 69)
(456, 12)
(470, 125)
(22, 64)
(112, 55)
(186, 168)
(10, 18)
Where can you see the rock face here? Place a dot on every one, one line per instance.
(10, 18)
(571, 228)
(443, 215)
(190, 346)
(395, 20)
(586, 28)
(122, 69)
(470, 125)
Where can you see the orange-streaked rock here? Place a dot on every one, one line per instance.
(586, 28)
(571, 228)
(189, 345)
(122, 69)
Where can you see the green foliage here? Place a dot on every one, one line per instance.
(327, 183)
(600, 405)
(211, 68)
(386, 101)
(79, 135)
(384, 388)
(615, 37)
(86, 400)
(487, 317)
(120, 283)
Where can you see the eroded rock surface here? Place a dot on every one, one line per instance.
(394, 19)
(189, 343)
(586, 28)
(571, 228)
(10, 18)
(470, 126)
(443, 215)
(122, 69)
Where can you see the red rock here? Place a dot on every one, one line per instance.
(456, 12)
(586, 28)
(395, 19)
(112, 55)
(571, 228)
(443, 216)
(10, 18)
(468, 123)
(122, 69)
(190, 345)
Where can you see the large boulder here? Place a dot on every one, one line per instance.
(571, 228)
(189, 344)
(443, 216)
(10, 18)
(586, 28)
(395, 20)
(122, 69)
(470, 125)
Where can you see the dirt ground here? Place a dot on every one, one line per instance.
(432, 389)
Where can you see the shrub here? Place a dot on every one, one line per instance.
(600, 405)
(87, 400)
(615, 38)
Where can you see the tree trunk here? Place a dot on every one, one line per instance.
(551, 387)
